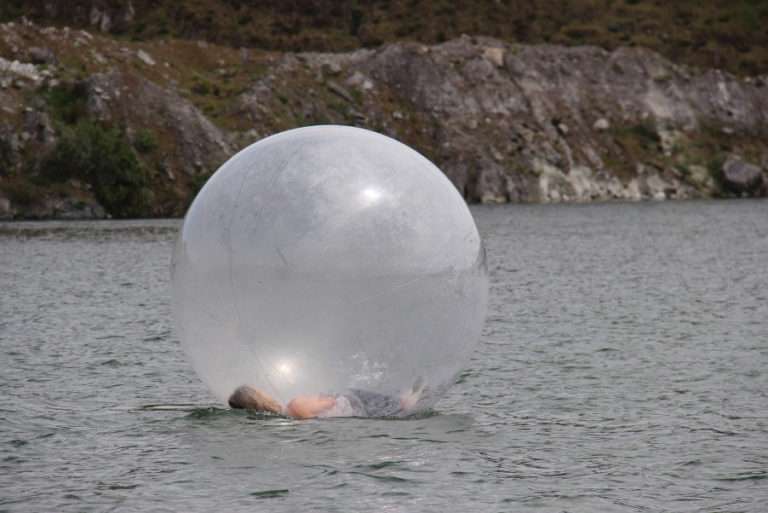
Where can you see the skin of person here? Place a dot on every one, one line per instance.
(308, 407)
(248, 398)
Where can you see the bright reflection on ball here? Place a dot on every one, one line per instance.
(327, 258)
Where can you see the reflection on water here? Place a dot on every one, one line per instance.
(622, 368)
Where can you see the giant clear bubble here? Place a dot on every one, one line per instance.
(325, 259)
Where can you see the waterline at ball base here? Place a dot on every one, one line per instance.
(324, 259)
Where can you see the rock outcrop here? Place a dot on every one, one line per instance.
(742, 177)
(550, 123)
(506, 123)
(135, 103)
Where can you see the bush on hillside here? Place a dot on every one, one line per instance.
(7, 158)
(98, 155)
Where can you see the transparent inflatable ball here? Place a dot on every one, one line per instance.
(330, 261)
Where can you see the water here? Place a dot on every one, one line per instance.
(622, 368)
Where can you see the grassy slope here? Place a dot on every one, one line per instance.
(726, 34)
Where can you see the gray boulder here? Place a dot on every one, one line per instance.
(742, 177)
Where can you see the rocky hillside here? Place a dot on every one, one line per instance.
(93, 126)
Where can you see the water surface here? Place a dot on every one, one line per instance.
(622, 368)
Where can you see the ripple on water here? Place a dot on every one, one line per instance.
(622, 368)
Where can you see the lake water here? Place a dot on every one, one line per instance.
(623, 367)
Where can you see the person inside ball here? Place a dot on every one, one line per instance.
(351, 403)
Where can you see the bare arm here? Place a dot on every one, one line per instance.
(307, 407)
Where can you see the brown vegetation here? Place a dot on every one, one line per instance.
(725, 34)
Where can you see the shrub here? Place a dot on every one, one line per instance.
(100, 156)
(69, 102)
(646, 130)
(7, 158)
(21, 192)
(145, 141)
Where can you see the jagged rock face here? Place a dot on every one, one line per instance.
(512, 123)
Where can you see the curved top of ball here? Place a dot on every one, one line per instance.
(327, 258)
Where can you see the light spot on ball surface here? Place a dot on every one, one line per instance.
(327, 258)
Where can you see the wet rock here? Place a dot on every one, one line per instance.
(742, 177)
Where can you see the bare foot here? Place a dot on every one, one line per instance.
(411, 396)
